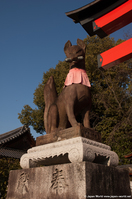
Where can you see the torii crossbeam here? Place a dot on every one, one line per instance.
(103, 17)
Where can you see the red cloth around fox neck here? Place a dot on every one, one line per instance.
(77, 76)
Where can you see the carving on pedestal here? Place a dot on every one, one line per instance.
(24, 161)
(114, 159)
(89, 154)
(74, 155)
(58, 183)
(23, 183)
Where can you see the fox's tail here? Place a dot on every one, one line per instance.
(50, 96)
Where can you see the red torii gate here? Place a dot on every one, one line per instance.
(103, 17)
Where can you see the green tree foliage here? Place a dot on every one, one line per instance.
(112, 97)
(111, 112)
(6, 164)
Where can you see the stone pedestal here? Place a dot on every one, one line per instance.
(69, 181)
(72, 150)
(69, 164)
(75, 144)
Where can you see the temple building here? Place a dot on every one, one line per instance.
(16, 142)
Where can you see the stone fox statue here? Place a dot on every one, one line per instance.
(61, 111)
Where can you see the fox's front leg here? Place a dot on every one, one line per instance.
(70, 98)
(70, 114)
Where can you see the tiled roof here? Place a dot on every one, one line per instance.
(11, 153)
(6, 137)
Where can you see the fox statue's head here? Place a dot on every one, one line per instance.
(75, 54)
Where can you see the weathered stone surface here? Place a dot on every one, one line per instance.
(72, 132)
(76, 149)
(69, 181)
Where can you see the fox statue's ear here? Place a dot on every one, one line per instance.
(67, 45)
(81, 44)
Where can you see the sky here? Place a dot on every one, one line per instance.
(32, 37)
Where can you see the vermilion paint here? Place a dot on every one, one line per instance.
(114, 19)
(115, 55)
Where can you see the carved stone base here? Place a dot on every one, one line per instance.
(68, 133)
(77, 149)
(69, 181)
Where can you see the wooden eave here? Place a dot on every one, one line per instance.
(90, 12)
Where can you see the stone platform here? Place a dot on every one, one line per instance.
(68, 133)
(77, 149)
(69, 181)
